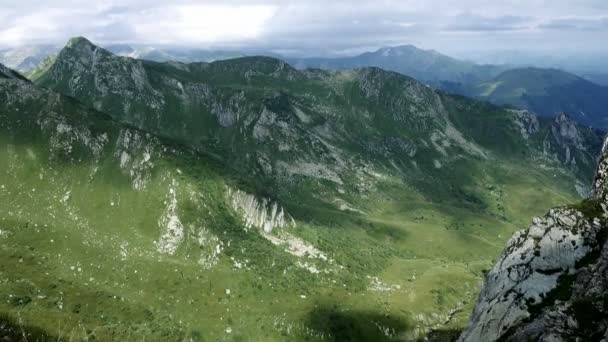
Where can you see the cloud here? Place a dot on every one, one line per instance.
(573, 23)
(473, 23)
(201, 24)
(309, 27)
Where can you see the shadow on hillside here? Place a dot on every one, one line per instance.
(337, 324)
(447, 335)
(11, 330)
(346, 325)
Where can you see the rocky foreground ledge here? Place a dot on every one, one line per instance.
(551, 281)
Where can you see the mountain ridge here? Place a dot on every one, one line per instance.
(273, 68)
(584, 101)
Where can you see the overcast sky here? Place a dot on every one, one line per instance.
(314, 27)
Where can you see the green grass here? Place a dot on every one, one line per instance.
(430, 254)
(79, 252)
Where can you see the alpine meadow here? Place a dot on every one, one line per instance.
(254, 172)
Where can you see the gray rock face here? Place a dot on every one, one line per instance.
(600, 189)
(565, 133)
(261, 214)
(551, 281)
(567, 142)
(526, 121)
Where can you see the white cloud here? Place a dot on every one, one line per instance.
(311, 26)
(201, 24)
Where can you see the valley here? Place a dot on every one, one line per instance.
(248, 200)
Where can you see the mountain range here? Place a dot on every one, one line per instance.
(425, 65)
(247, 199)
(544, 91)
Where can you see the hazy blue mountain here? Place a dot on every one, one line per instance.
(578, 62)
(25, 58)
(545, 92)
(424, 65)
(597, 78)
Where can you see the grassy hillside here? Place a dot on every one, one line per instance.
(162, 218)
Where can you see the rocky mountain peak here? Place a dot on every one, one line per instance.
(550, 282)
(79, 42)
(566, 130)
(82, 47)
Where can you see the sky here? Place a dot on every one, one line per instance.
(315, 27)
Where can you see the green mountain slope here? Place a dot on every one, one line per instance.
(424, 65)
(547, 92)
(260, 113)
(244, 199)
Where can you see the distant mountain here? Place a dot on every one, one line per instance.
(576, 62)
(545, 92)
(597, 78)
(184, 55)
(26, 58)
(425, 65)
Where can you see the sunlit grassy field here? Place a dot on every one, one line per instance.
(79, 260)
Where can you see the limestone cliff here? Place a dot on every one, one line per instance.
(259, 213)
(551, 281)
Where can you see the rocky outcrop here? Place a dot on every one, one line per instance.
(571, 144)
(600, 188)
(170, 224)
(526, 121)
(551, 281)
(564, 139)
(261, 214)
(136, 152)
